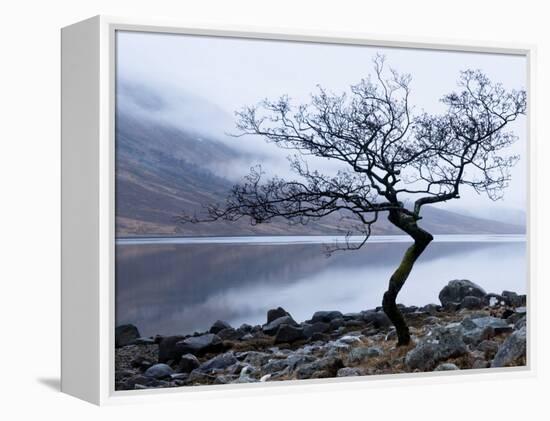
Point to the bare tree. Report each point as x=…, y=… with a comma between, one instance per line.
x=394, y=161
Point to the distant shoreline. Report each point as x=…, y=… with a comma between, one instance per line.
x=311, y=239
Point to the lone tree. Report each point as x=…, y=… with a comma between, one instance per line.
x=394, y=161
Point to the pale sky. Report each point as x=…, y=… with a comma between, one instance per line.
x=230, y=73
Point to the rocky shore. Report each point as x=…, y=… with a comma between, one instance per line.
x=469, y=329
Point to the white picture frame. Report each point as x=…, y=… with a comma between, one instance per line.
x=88, y=60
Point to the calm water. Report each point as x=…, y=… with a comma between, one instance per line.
x=179, y=285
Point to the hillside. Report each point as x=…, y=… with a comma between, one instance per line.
x=162, y=171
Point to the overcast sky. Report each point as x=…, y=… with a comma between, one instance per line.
x=230, y=73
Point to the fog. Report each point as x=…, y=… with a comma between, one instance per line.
x=199, y=82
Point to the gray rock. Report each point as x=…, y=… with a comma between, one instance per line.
x=272, y=327
x=218, y=326
x=499, y=325
x=444, y=343
x=326, y=316
x=446, y=367
x=200, y=345
x=276, y=313
x=512, y=350
x=159, y=371
x=424, y=357
x=323, y=367
x=455, y=291
x=168, y=349
x=219, y=362
x=349, y=372
x=188, y=363
x=378, y=319
x=126, y=335
x=288, y=334
x=477, y=335
x=471, y=302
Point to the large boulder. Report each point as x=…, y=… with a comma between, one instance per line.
x=168, y=350
x=200, y=345
x=288, y=334
x=326, y=316
x=513, y=299
x=513, y=350
x=272, y=327
x=188, y=363
x=218, y=326
x=126, y=335
x=455, y=291
x=444, y=343
x=275, y=313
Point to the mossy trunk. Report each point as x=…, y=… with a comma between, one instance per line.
x=421, y=240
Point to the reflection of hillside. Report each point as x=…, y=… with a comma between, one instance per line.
x=166, y=279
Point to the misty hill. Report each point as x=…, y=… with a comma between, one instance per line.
x=163, y=170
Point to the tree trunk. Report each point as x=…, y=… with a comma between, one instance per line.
x=421, y=240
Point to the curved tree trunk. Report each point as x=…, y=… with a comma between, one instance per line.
x=421, y=240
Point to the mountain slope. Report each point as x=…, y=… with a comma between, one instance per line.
x=162, y=171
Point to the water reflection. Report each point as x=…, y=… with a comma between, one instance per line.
x=179, y=288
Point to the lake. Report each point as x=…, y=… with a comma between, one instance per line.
x=180, y=285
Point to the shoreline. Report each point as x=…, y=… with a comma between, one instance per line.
x=470, y=329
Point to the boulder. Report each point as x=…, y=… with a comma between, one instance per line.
x=126, y=335
x=318, y=327
x=455, y=291
x=219, y=362
x=200, y=345
x=218, y=326
x=431, y=309
x=275, y=313
x=188, y=363
x=159, y=371
x=168, y=349
x=272, y=327
x=444, y=343
x=513, y=350
x=471, y=302
x=288, y=334
x=423, y=357
x=326, y=316
x=378, y=319
x=499, y=325
x=446, y=367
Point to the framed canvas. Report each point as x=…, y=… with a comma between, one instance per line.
x=249, y=209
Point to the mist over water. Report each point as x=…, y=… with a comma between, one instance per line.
x=169, y=287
